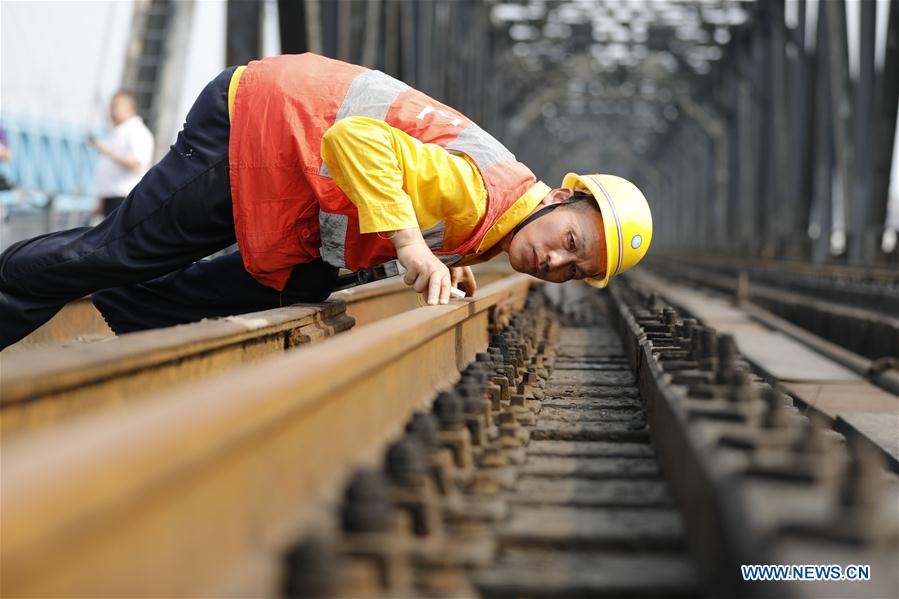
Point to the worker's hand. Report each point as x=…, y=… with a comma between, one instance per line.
x=424, y=272
x=461, y=277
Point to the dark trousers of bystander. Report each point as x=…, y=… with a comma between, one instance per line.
x=143, y=262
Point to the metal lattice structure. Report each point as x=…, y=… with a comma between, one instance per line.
x=748, y=134
x=155, y=62
x=742, y=120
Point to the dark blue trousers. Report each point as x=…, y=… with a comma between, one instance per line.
x=141, y=262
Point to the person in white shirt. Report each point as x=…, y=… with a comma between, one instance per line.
x=125, y=154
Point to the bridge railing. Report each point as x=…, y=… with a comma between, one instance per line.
x=51, y=170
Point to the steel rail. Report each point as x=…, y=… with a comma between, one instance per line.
x=755, y=480
x=860, y=330
x=130, y=498
x=44, y=386
x=861, y=365
x=41, y=386
x=78, y=320
x=887, y=379
x=882, y=275
x=869, y=403
x=374, y=301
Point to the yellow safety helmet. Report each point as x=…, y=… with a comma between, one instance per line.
x=627, y=221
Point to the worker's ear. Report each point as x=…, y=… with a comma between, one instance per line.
x=557, y=195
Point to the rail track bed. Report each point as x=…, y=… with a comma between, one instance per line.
x=554, y=486
x=519, y=444
x=590, y=514
x=586, y=508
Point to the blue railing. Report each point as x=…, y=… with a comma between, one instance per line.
x=51, y=169
x=48, y=158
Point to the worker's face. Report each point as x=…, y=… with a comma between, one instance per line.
x=568, y=243
x=121, y=108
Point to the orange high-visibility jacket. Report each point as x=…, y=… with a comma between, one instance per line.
x=288, y=210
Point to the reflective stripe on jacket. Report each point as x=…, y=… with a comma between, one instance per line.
x=288, y=210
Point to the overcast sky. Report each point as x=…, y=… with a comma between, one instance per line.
x=62, y=61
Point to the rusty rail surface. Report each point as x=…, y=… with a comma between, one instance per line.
x=41, y=386
x=44, y=386
x=198, y=490
x=374, y=301
x=78, y=320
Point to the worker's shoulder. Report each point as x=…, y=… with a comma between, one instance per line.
x=356, y=126
x=305, y=65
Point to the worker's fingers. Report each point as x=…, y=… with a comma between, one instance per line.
x=422, y=282
x=434, y=285
x=471, y=284
x=455, y=276
x=445, y=284
x=410, y=276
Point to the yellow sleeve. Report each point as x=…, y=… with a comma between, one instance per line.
x=232, y=89
x=365, y=158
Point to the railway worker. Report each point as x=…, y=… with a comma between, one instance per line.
x=311, y=165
